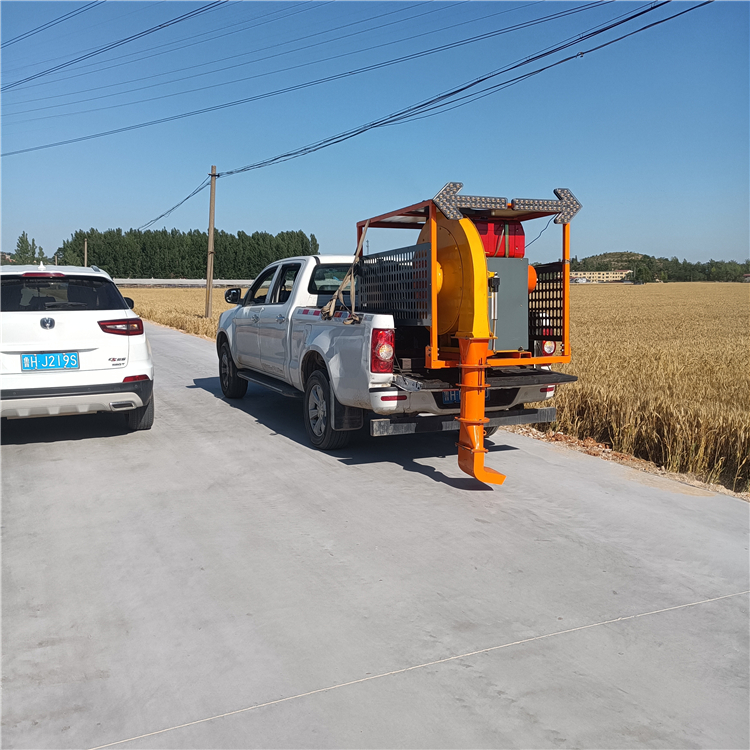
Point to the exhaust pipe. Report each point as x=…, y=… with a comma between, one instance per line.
x=121, y=405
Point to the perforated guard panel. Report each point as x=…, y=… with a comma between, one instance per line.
x=398, y=282
x=546, y=310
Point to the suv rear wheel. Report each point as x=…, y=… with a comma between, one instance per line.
x=141, y=418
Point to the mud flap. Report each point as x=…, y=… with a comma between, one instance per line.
x=345, y=417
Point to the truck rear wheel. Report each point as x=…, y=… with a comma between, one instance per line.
x=232, y=386
x=318, y=414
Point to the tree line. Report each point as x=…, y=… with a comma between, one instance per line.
x=648, y=268
x=170, y=254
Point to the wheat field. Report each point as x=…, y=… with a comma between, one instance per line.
x=664, y=374
x=664, y=369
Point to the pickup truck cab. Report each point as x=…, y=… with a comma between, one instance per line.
x=349, y=368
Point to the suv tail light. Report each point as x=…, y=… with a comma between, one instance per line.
x=135, y=378
x=381, y=353
x=124, y=327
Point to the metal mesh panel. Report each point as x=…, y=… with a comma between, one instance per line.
x=546, y=312
x=398, y=282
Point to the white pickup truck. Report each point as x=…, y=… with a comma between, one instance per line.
x=350, y=370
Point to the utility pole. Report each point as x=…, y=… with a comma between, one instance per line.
x=85, y=252
x=210, y=267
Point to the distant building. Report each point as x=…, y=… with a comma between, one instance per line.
x=7, y=258
x=599, y=276
x=746, y=277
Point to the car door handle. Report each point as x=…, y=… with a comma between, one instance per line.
x=255, y=318
x=280, y=318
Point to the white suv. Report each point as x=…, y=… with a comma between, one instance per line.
x=70, y=344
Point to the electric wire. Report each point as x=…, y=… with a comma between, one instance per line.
x=231, y=57
x=179, y=19
x=529, y=244
x=250, y=62
x=317, y=82
x=443, y=98
x=403, y=115
x=53, y=22
x=225, y=105
x=175, y=43
x=327, y=79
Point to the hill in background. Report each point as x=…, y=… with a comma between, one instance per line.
x=648, y=268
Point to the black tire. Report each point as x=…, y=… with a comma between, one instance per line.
x=232, y=386
x=316, y=411
x=141, y=418
x=490, y=431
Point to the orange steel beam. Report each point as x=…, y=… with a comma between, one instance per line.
x=407, y=211
x=433, y=348
x=471, y=448
x=566, y=290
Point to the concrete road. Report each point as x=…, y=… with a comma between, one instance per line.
x=215, y=583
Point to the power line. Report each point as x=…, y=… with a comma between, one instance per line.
x=333, y=77
x=119, y=43
x=317, y=82
x=253, y=62
x=441, y=100
x=140, y=9
x=179, y=45
x=50, y=24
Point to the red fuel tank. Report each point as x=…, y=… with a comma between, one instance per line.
x=502, y=239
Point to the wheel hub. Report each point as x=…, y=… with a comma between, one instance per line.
x=316, y=409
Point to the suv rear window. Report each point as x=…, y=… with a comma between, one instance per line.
x=33, y=294
x=327, y=279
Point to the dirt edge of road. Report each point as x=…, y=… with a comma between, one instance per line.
x=600, y=450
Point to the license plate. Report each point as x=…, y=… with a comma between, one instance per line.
x=454, y=397
x=55, y=361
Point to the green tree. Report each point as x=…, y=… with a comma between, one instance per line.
x=28, y=252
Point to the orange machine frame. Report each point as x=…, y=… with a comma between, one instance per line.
x=415, y=217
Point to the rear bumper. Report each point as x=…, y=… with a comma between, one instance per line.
x=404, y=425
x=83, y=399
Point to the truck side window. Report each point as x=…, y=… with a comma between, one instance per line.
x=259, y=290
x=285, y=284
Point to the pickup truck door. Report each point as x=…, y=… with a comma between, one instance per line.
x=247, y=321
x=274, y=322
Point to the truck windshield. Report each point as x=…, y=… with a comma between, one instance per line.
x=327, y=279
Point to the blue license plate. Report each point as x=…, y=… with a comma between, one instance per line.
x=54, y=361
x=454, y=397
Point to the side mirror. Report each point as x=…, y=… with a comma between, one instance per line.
x=129, y=302
x=233, y=296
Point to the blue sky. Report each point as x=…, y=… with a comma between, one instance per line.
x=650, y=134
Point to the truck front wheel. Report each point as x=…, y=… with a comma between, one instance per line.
x=318, y=414
x=232, y=386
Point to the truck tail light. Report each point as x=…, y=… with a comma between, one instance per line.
x=124, y=327
x=548, y=347
x=381, y=352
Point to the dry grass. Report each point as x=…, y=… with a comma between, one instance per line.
x=179, y=308
x=664, y=370
x=664, y=374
